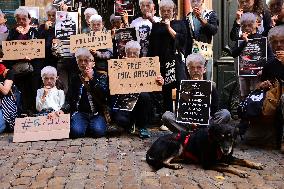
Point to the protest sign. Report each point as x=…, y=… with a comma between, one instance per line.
x=66, y=25
x=133, y=75
x=95, y=41
x=253, y=57
x=120, y=6
x=126, y=102
x=19, y=49
x=194, y=102
x=122, y=36
x=57, y=3
x=205, y=49
x=34, y=13
x=41, y=128
x=170, y=69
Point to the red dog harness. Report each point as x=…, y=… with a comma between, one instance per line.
x=185, y=154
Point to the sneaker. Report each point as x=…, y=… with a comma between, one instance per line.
x=164, y=128
x=144, y=133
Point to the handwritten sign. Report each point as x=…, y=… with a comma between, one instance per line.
x=194, y=102
x=133, y=75
x=253, y=57
x=98, y=40
x=122, y=36
x=205, y=49
x=126, y=102
x=19, y=49
x=120, y=6
x=41, y=128
x=66, y=24
x=170, y=72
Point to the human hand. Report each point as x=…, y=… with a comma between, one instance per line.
x=63, y=6
x=160, y=80
x=197, y=12
x=124, y=17
x=245, y=36
x=20, y=29
x=280, y=56
x=265, y=84
x=48, y=24
x=239, y=14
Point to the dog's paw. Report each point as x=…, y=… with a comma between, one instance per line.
x=242, y=174
x=258, y=166
x=177, y=166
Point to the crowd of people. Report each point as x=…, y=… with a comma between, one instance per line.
x=84, y=93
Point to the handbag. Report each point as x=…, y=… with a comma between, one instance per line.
x=23, y=68
x=272, y=99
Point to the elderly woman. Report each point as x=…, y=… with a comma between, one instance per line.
x=3, y=20
x=88, y=13
x=102, y=55
x=47, y=32
x=196, y=69
x=8, y=109
x=277, y=11
x=168, y=41
x=86, y=98
x=140, y=116
x=30, y=81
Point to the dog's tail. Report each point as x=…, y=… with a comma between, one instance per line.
x=155, y=164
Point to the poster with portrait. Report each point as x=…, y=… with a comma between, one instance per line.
x=120, y=6
x=66, y=24
x=194, y=102
x=126, y=102
x=122, y=36
x=34, y=12
x=253, y=57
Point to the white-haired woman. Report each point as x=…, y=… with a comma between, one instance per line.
x=28, y=83
x=86, y=98
x=168, y=41
x=101, y=55
x=88, y=13
x=47, y=32
x=140, y=115
x=49, y=99
x=3, y=20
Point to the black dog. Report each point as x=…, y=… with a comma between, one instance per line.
x=211, y=147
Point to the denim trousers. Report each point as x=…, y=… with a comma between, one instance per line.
x=2, y=122
x=87, y=124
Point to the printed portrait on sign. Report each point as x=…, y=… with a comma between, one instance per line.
x=66, y=24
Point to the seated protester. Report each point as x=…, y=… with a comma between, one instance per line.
x=86, y=98
x=249, y=31
x=277, y=12
x=275, y=70
x=257, y=7
x=102, y=55
x=196, y=69
x=8, y=108
x=47, y=32
x=88, y=13
x=139, y=117
x=49, y=99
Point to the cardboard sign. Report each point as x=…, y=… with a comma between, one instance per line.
x=194, y=102
x=126, y=102
x=41, y=128
x=253, y=57
x=19, y=49
x=122, y=36
x=133, y=75
x=34, y=12
x=205, y=49
x=66, y=25
x=120, y=6
x=98, y=40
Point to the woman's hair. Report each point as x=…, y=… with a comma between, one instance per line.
x=132, y=45
x=275, y=6
x=50, y=8
x=140, y=1
x=195, y=57
x=95, y=17
x=248, y=17
x=48, y=70
x=167, y=3
x=113, y=17
x=22, y=11
x=258, y=7
x=275, y=32
x=83, y=52
x=91, y=11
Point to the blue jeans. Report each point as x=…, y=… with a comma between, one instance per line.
x=2, y=122
x=83, y=122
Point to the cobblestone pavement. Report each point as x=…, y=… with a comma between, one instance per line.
x=119, y=163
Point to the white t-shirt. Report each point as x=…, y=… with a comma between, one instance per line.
x=54, y=99
x=143, y=30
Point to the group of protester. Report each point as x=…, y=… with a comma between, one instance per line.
x=87, y=97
